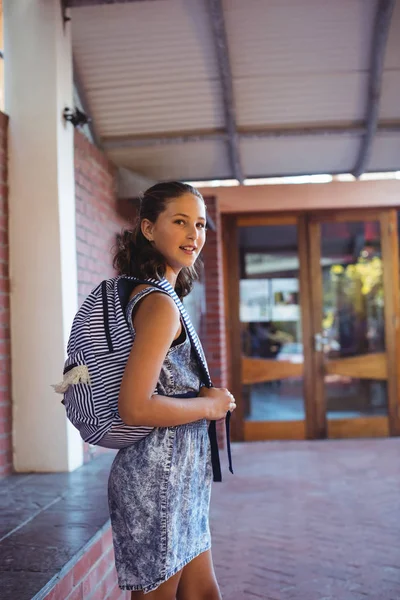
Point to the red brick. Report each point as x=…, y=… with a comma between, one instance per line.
x=5, y=442
x=97, y=574
x=105, y=586
x=97, y=220
x=5, y=409
x=86, y=563
x=5, y=467
x=322, y=522
x=75, y=594
x=213, y=326
x=117, y=594
x=106, y=540
x=62, y=589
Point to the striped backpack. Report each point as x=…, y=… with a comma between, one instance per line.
x=98, y=350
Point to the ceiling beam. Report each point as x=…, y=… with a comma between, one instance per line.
x=318, y=131
x=221, y=48
x=120, y=142
x=117, y=142
x=80, y=3
x=379, y=40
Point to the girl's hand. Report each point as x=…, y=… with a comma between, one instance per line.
x=221, y=401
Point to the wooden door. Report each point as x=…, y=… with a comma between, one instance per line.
x=266, y=279
x=354, y=270
x=313, y=324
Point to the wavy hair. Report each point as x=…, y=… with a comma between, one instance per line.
x=135, y=256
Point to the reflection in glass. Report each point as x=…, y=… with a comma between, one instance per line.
x=353, y=320
x=271, y=320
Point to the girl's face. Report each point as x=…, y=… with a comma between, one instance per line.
x=179, y=232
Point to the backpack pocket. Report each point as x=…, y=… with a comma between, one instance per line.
x=78, y=394
x=75, y=371
x=91, y=388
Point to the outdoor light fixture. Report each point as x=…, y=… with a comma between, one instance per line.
x=77, y=117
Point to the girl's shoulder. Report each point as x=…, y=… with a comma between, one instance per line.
x=156, y=301
x=160, y=304
x=138, y=288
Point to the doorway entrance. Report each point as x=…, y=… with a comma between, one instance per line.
x=313, y=323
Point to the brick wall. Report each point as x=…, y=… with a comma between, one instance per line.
x=5, y=364
x=92, y=576
x=213, y=326
x=97, y=222
x=212, y=331
x=97, y=219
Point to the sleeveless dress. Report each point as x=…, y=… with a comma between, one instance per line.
x=159, y=488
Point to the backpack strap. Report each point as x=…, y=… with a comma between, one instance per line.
x=165, y=286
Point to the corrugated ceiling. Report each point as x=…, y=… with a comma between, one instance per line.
x=176, y=161
x=150, y=69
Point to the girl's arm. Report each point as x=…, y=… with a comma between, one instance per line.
x=157, y=322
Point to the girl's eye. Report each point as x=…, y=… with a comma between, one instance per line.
x=179, y=221
x=201, y=225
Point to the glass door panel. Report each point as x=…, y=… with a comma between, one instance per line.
x=271, y=326
x=350, y=295
x=353, y=325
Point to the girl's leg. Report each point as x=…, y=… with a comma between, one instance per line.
x=198, y=581
x=166, y=591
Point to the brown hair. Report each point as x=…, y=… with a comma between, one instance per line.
x=135, y=256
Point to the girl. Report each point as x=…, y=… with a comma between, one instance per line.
x=159, y=487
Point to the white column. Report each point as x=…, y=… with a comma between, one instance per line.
x=43, y=270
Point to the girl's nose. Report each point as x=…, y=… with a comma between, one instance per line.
x=193, y=232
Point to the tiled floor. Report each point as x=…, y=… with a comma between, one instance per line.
x=309, y=521
x=297, y=521
x=46, y=519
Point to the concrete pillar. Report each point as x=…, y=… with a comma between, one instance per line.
x=43, y=271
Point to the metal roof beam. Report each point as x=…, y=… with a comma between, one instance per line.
x=379, y=40
x=80, y=3
x=221, y=47
x=112, y=143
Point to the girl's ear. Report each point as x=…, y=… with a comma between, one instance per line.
x=146, y=227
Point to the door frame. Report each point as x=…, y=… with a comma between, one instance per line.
x=315, y=425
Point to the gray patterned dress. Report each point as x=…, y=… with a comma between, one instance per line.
x=159, y=488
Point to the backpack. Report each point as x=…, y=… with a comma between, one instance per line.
x=97, y=352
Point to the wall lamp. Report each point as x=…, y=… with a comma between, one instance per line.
x=77, y=117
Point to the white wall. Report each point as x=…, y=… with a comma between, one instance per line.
x=43, y=271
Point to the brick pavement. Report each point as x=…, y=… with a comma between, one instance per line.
x=309, y=521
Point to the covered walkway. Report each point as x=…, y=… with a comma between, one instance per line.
x=310, y=521
x=297, y=521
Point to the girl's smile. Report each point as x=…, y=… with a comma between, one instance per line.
x=189, y=249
